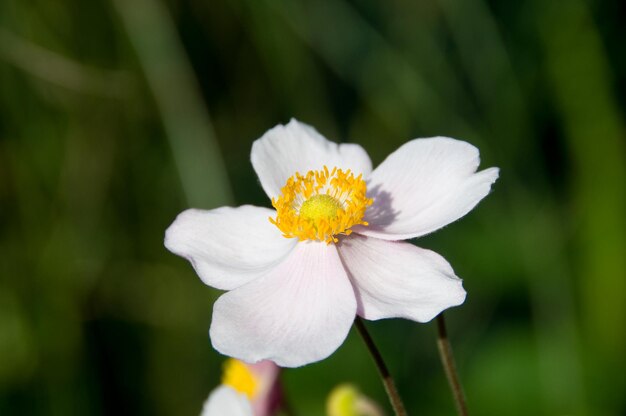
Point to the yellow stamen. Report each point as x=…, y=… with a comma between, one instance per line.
x=238, y=376
x=321, y=205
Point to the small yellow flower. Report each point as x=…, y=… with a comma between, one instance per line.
x=346, y=400
x=246, y=390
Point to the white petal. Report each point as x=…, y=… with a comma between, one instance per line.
x=298, y=313
x=298, y=147
x=394, y=279
x=424, y=185
x=228, y=247
x=225, y=401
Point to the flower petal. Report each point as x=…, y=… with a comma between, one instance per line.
x=225, y=401
x=298, y=313
x=424, y=185
x=228, y=247
x=298, y=147
x=394, y=279
x=269, y=397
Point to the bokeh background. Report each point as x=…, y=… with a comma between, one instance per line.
x=115, y=115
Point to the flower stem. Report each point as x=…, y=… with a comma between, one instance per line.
x=287, y=408
x=447, y=359
x=390, y=386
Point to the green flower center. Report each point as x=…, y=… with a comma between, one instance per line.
x=320, y=207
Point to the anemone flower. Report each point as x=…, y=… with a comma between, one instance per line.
x=224, y=401
x=246, y=390
x=297, y=275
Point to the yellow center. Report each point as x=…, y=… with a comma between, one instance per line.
x=238, y=376
x=321, y=205
x=318, y=207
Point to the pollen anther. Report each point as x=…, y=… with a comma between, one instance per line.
x=321, y=205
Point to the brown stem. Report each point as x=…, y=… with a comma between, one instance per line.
x=390, y=386
x=447, y=359
x=287, y=408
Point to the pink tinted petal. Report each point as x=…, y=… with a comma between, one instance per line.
x=424, y=185
x=398, y=280
x=298, y=313
x=224, y=401
x=298, y=147
x=228, y=247
x=265, y=370
x=269, y=397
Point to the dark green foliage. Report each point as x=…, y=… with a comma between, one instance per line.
x=116, y=115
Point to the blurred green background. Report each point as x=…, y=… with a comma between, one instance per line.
x=115, y=115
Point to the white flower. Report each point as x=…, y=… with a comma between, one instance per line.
x=297, y=275
x=246, y=390
x=226, y=401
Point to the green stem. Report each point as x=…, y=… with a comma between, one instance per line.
x=447, y=359
x=390, y=386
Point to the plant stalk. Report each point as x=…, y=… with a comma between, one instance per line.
x=390, y=385
x=447, y=359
